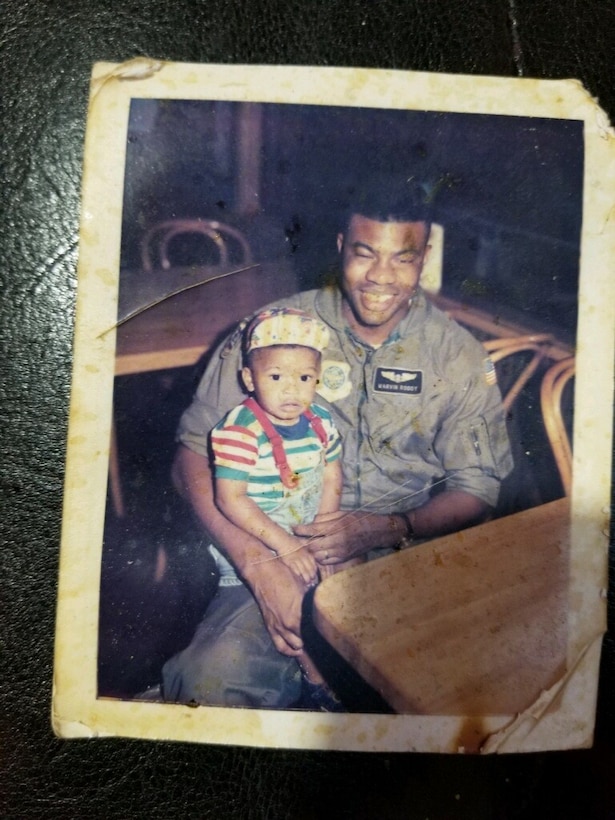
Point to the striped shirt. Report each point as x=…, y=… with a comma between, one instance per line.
x=242, y=452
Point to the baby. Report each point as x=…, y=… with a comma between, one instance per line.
x=276, y=455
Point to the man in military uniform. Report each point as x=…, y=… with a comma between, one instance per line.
x=425, y=448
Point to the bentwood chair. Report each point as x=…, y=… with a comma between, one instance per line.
x=538, y=344
x=227, y=248
x=228, y=244
x=554, y=381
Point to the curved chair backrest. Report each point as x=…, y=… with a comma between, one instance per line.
x=501, y=348
x=156, y=242
x=552, y=388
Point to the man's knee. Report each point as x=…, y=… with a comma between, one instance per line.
x=232, y=661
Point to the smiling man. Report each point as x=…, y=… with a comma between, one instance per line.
x=424, y=447
x=382, y=263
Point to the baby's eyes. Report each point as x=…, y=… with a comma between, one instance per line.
x=305, y=377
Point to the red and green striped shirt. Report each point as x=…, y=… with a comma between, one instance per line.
x=243, y=452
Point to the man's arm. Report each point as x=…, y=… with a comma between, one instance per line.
x=340, y=536
x=472, y=447
x=278, y=593
x=450, y=511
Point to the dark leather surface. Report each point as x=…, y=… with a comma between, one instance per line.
x=47, y=51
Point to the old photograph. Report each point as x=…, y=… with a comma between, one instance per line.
x=339, y=449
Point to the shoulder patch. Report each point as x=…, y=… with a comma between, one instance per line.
x=335, y=380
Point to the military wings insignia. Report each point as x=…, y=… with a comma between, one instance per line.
x=398, y=378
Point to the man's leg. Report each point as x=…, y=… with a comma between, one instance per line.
x=231, y=660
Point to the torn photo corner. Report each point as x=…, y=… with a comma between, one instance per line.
x=210, y=191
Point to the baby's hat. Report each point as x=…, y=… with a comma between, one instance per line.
x=285, y=326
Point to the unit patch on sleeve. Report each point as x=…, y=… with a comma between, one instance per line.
x=396, y=380
x=335, y=381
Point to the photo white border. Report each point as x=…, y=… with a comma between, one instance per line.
x=77, y=712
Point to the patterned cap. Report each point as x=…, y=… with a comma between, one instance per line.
x=285, y=326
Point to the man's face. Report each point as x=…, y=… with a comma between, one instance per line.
x=382, y=264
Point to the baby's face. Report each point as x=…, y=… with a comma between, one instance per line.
x=283, y=380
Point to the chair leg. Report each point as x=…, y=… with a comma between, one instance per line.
x=114, y=474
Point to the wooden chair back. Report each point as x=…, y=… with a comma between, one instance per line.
x=554, y=381
x=499, y=349
x=155, y=246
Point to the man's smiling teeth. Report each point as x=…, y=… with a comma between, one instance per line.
x=378, y=298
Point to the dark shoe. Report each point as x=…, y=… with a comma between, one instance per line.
x=319, y=698
x=153, y=693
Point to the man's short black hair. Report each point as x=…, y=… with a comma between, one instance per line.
x=389, y=199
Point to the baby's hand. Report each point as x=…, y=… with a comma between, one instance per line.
x=302, y=565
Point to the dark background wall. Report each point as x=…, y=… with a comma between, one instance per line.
x=507, y=190
x=47, y=50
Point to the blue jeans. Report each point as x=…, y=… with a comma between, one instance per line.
x=231, y=660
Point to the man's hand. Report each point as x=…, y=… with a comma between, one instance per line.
x=334, y=538
x=279, y=594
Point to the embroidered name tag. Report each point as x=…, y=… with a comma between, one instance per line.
x=394, y=380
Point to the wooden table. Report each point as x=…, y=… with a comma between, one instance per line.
x=176, y=332
x=474, y=623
